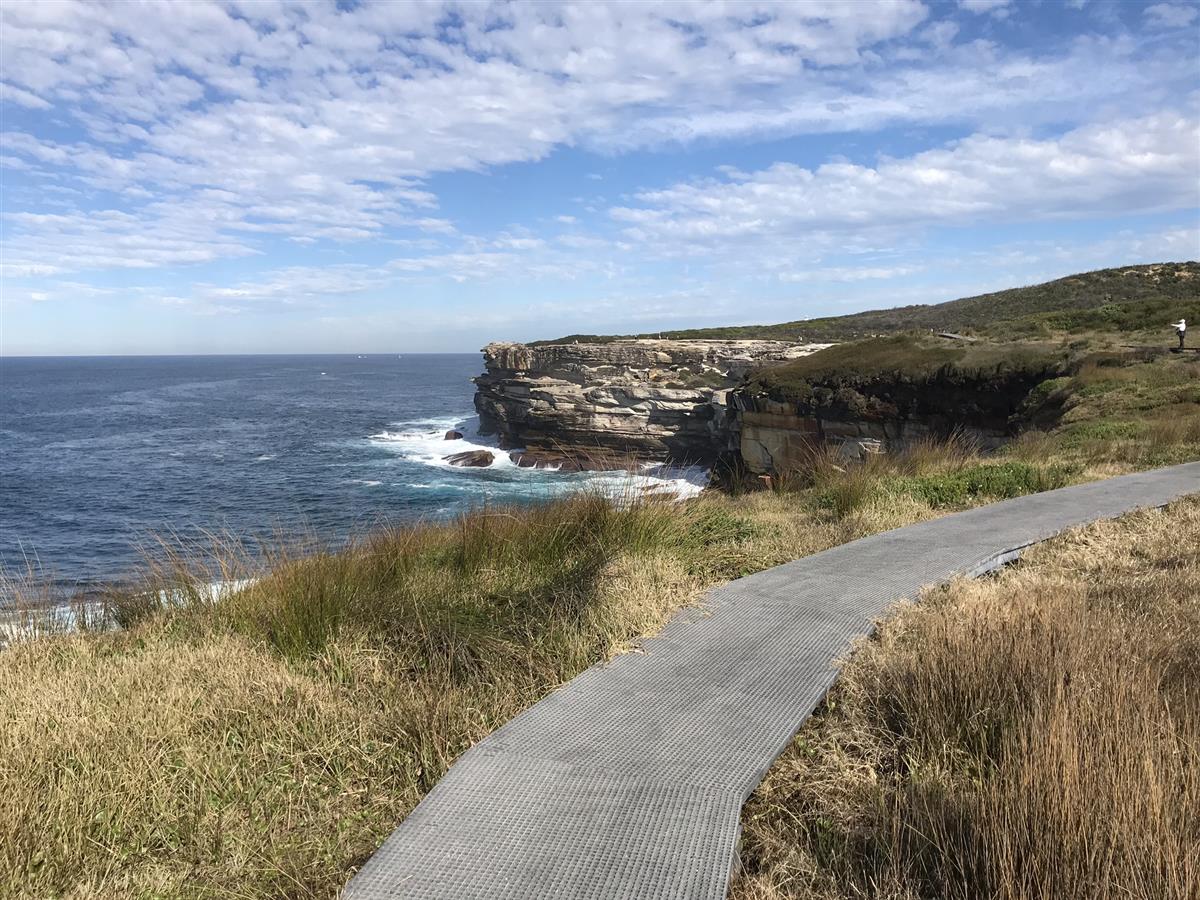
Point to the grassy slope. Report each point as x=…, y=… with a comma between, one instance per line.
x=1029, y=736
x=1129, y=298
x=265, y=745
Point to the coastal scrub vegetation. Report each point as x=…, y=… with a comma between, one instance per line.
x=908, y=374
x=1082, y=405
x=1129, y=299
x=912, y=357
x=1031, y=735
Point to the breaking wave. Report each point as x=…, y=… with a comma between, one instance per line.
x=424, y=441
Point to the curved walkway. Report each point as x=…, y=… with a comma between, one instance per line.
x=627, y=783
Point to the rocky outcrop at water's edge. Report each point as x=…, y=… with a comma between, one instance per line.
x=472, y=459
x=571, y=406
x=650, y=399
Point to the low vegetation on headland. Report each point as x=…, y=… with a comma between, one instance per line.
x=1122, y=300
x=264, y=742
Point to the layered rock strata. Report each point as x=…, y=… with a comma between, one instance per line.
x=775, y=436
x=652, y=399
x=882, y=413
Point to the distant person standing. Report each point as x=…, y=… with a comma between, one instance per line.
x=1180, y=330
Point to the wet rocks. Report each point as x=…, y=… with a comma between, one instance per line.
x=579, y=461
x=475, y=459
x=453, y=435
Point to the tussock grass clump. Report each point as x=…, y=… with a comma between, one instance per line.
x=1033, y=735
x=997, y=481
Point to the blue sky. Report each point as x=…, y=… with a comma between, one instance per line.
x=238, y=177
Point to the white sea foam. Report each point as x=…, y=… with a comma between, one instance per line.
x=424, y=441
x=23, y=624
x=212, y=592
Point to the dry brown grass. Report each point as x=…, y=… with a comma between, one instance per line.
x=1033, y=735
x=263, y=745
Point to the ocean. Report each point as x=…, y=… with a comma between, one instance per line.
x=101, y=455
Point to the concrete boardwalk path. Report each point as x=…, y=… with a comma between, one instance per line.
x=627, y=783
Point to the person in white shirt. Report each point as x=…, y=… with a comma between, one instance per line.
x=1180, y=330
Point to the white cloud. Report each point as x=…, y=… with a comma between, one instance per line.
x=374, y=88
x=490, y=264
x=1141, y=165
x=12, y=94
x=49, y=243
x=508, y=256
x=1170, y=15
x=848, y=273
x=322, y=124
x=940, y=34
x=582, y=242
x=294, y=285
x=984, y=6
x=162, y=135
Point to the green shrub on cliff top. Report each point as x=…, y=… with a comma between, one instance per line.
x=906, y=357
x=913, y=376
x=992, y=482
x=959, y=485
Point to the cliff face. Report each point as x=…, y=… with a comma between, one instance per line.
x=884, y=394
x=656, y=399
x=690, y=400
x=775, y=436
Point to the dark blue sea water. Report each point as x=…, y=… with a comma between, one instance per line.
x=98, y=454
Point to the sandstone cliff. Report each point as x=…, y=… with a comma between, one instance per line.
x=887, y=393
x=691, y=400
x=654, y=399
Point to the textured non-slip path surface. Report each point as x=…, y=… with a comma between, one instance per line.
x=627, y=783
